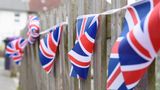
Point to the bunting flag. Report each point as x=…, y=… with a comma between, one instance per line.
x=15, y=49
x=48, y=47
x=80, y=55
x=34, y=29
x=136, y=47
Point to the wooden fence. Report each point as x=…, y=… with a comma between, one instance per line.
x=33, y=77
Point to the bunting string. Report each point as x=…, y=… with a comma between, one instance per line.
x=48, y=30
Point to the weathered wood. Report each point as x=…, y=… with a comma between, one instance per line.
x=99, y=62
x=44, y=81
x=63, y=53
x=50, y=23
x=100, y=57
x=152, y=76
x=58, y=71
x=83, y=8
x=72, y=15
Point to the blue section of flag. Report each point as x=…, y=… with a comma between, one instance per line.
x=92, y=31
x=142, y=11
x=125, y=28
x=79, y=50
x=127, y=55
x=112, y=65
x=43, y=59
x=82, y=72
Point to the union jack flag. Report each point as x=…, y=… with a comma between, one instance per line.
x=15, y=49
x=48, y=47
x=34, y=28
x=80, y=55
x=136, y=47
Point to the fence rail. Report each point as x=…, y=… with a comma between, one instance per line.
x=32, y=77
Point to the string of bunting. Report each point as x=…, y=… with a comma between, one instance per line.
x=34, y=28
x=129, y=58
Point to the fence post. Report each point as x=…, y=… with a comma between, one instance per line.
x=72, y=15
x=83, y=8
x=99, y=57
x=152, y=76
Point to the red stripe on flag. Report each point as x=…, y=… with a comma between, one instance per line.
x=48, y=67
x=131, y=11
x=78, y=62
x=44, y=52
x=16, y=57
x=155, y=2
x=115, y=47
x=86, y=43
x=138, y=45
x=115, y=75
x=83, y=26
x=9, y=50
x=51, y=43
x=131, y=77
x=33, y=25
x=154, y=28
x=17, y=46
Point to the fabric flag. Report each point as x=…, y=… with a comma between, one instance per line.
x=48, y=47
x=136, y=47
x=80, y=55
x=34, y=28
x=15, y=49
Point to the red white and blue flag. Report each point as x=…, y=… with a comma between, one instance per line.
x=136, y=47
x=34, y=28
x=15, y=49
x=81, y=53
x=48, y=47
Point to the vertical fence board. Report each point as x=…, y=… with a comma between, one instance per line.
x=65, y=64
x=152, y=76
x=63, y=52
x=53, y=22
x=45, y=80
x=83, y=8
x=72, y=15
x=99, y=62
x=100, y=57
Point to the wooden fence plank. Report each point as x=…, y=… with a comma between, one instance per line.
x=152, y=76
x=50, y=17
x=99, y=56
x=83, y=8
x=65, y=67
x=72, y=15
x=63, y=53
